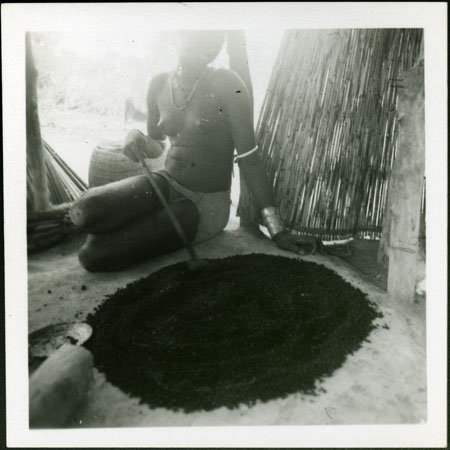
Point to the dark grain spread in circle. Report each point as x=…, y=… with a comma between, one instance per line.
x=244, y=328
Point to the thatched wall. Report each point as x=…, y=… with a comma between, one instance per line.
x=328, y=128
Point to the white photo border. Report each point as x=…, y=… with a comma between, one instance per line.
x=79, y=17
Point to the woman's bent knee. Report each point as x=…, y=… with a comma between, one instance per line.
x=100, y=255
x=88, y=259
x=93, y=258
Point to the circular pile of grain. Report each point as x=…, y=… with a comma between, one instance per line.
x=242, y=329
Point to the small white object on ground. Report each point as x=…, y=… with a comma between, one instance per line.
x=421, y=287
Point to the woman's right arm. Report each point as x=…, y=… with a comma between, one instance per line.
x=151, y=146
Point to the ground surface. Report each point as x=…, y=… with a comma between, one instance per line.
x=383, y=382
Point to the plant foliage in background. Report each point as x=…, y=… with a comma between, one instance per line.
x=328, y=128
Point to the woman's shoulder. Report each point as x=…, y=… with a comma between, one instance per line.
x=222, y=73
x=227, y=78
x=156, y=85
x=159, y=80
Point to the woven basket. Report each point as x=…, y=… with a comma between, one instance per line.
x=109, y=164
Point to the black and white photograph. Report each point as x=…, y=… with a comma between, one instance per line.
x=225, y=217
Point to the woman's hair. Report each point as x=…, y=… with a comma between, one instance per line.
x=215, y=40
x=206, y=43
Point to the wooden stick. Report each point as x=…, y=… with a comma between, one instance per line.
x=176, y=224
x=406, y=199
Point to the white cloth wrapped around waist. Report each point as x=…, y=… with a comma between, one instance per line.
x=213, y=207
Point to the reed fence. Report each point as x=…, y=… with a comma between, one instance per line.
x=328, y=128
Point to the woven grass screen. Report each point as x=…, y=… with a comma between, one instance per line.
x=63, y=183
x=328, y=128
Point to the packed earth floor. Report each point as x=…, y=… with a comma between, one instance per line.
x=384, y=381
x=381, y=382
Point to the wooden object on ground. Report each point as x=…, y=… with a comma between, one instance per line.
x=383, y=248
x=58, y=386
x=37, y=188
x=406, y=186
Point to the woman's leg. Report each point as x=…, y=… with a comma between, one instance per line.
x=106, y=208
x=148, y=236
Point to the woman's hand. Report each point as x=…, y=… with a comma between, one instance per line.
x=135, y=144
x=302, y=245
x=138, y=146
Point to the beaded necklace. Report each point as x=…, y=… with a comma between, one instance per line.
x=191, y=94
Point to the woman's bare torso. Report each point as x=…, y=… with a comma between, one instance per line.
x=201, y=153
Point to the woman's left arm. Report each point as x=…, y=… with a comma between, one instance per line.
x=238, y=109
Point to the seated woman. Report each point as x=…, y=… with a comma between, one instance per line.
x=206, y=114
